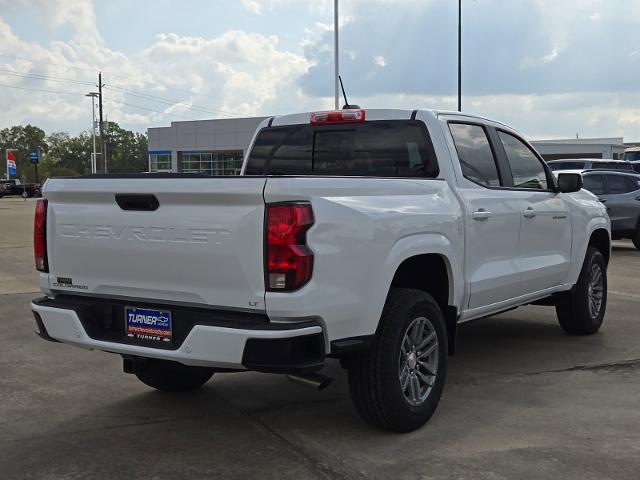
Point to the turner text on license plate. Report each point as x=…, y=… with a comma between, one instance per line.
x=148, y=324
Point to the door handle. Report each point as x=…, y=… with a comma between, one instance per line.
x=481, y=214
x=529, y=213
x=602, y=200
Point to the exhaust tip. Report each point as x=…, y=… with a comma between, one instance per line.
x=314, y=380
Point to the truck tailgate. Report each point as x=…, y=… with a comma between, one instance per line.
x=203, y=245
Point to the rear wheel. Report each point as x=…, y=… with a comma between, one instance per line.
x=172, y=376
x=398, y=382
x=636, y=237
x=581, y=311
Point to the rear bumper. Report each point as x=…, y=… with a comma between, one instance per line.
x=267, y=347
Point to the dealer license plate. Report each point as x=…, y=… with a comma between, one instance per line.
x=148, y=324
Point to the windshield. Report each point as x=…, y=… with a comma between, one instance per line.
x=631, y=156
x=393, y=148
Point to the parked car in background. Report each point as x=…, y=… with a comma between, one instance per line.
x=632, y=154
x=588, y=164
x=620, y=192
x=16, y=187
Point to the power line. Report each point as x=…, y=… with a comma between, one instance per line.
x=111, y=101
x=149, y=82
x=168, y=101
x=88, y=69
x=37, y=76
x=151, y=110
x=41, y=90
x=145, y=96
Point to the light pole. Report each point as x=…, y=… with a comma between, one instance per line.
x=336, y=60
x=459, y=55
x=93, y=95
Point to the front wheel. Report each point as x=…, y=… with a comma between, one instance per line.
x=172, y=376
x=398, y=382
x=581, y=311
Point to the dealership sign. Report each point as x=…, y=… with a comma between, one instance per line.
x=34, y=155
x=11, y=163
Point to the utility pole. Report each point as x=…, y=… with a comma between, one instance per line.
x=459, y=55
x=336, y=60
x=94, y=160
x=103, y=149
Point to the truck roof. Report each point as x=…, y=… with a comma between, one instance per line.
x=376, y=114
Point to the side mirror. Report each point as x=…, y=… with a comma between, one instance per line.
x=569, y=182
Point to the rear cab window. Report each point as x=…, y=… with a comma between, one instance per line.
x=381, y=148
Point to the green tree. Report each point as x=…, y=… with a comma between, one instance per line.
x=126, y=150
x=66, y=155
x=71, y=153
x=22, y=138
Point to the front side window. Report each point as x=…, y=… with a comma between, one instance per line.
x=475, y=155
x=594, y=184
x=526, y=168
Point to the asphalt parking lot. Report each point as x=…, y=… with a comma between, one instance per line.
x=523, y=400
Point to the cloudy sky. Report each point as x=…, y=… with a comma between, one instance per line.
x=549, y=68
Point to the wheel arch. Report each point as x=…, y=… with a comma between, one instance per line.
x=601, y=240
x=431, y=273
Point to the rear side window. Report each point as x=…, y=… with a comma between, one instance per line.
x=395, y=148
x=594, y=184
x=474, y=153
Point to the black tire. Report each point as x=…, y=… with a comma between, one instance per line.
x=172, y=376
x=636, y=237
x=374, y=375
x=574, y=313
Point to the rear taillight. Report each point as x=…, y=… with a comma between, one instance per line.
x=289, y=261
x=337, y=116
x=40, y=236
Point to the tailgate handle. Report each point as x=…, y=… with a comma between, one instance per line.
x=137, y=202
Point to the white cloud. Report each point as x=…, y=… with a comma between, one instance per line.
x=234, y=74
x=554, y=68
x=253, y=6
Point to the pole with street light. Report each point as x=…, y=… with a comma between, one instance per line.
x=93, y=96
x=336, y=59
x=459, y=55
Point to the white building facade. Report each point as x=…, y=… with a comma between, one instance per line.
x=211, y=147
x=580, y=148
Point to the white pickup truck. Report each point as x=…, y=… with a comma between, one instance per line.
x=363, y=235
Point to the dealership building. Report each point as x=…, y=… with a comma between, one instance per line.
x=581, y=148
x=213, y=147
x=217, y=147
